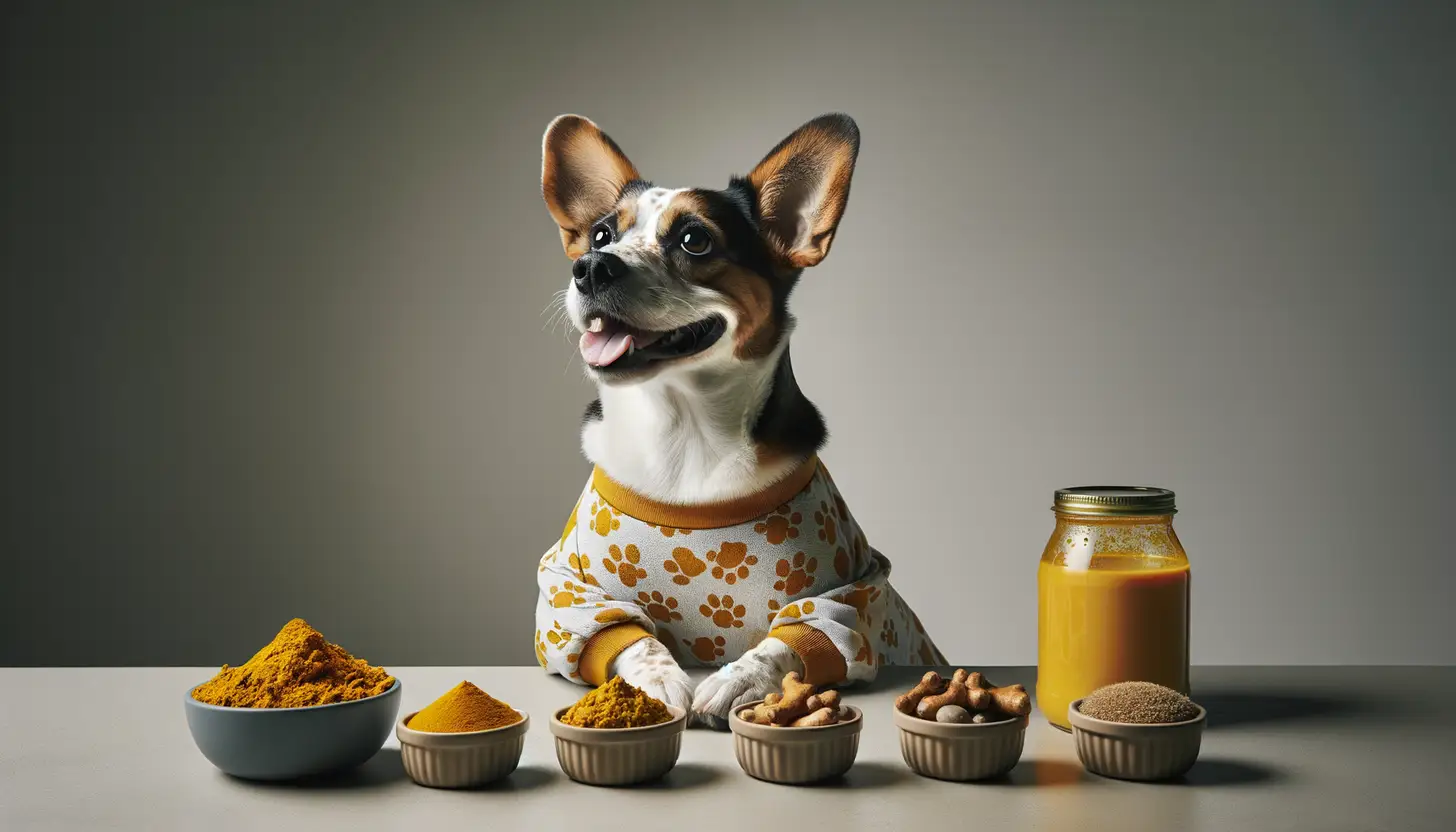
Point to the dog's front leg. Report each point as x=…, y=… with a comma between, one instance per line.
x=754, y=675
x=647, y=665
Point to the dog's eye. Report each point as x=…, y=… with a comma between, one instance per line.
x=601, y=236
x=695, y=241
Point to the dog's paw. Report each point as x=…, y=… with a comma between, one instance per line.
x=646, y=664
x=756, y=674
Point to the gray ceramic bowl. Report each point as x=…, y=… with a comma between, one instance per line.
x=779, y=754
x=618, y=756
x=290, y=743
x=960, y=752
x=1136, y=752
x=461, y=760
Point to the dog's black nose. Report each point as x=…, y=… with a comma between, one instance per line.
x=596, y=270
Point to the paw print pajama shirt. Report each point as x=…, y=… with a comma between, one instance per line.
x=712, y=581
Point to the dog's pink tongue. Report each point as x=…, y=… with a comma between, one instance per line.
x=602, y=348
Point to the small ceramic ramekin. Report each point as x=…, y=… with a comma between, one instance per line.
x=1126, y=751
x=618, y=756
x=795, y=755
x=960, y=752
x=462, y=760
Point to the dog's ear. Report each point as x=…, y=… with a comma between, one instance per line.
x=582, y=173
x=803, y=186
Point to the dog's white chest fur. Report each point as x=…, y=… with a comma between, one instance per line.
x=686, y=437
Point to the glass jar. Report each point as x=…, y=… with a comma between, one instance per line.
x=1112, y=596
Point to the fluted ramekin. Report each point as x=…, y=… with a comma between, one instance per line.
x=618, y=756
x=462, y=760
x=1159, y=751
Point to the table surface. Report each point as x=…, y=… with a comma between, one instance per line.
x=1326, y=748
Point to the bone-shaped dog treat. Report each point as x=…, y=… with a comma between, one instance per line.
x=957, y=692
x=968, y=690
x=1011, y=699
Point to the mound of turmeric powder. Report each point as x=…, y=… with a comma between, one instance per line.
x=297, y=669
x=463, y=708
x=616, y=704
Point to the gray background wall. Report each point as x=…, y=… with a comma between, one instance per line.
x=274, y=275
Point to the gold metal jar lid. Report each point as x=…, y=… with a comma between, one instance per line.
x=1114, y=501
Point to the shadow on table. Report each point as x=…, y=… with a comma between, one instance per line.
x=866, y=775
x=382, y=769
x=523, y=778
x=684, y=776
x=1227, y=709
x=1218, y=772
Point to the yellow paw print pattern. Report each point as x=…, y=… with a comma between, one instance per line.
x=623, y=564
x=780, y=526
x=795, y=574
x=659, y=608
x=604, y=518
x=731, y=562
x=567, y=594
x=581, y=563
x=864, y=656
x=707, y=649
x=557, y=637
x=798, y=610
x=828, y=531
x=888, y=634
x=861, y=597
x=614, y=615
x=684, y=566
x=540, y=650
x=723, y=611
x=841, y=563
x=669, y=531
x=773, y=610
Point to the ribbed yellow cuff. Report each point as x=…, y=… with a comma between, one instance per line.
x=704, y=516
x=599, y=651
x=823, y=663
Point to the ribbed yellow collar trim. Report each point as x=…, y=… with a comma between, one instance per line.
x=707, y=515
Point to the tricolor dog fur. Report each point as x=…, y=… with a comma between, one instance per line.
x=710, y=533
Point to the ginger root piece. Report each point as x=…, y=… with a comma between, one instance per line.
x=823, y=716
x=930, y=684
x=798, y=706
x=825, y=699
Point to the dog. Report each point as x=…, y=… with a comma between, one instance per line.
x=710, y=533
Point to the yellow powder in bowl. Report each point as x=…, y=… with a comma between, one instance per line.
x=299, y=668
x=463, y=708
x=616, y=704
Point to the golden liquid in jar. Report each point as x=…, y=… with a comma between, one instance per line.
x=1118, y=621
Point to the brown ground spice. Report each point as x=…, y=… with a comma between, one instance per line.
x=297, y=669
x=464, y=707
x=616, y=704
x=1138, y=703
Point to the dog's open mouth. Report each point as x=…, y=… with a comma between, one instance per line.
x=609, y=344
